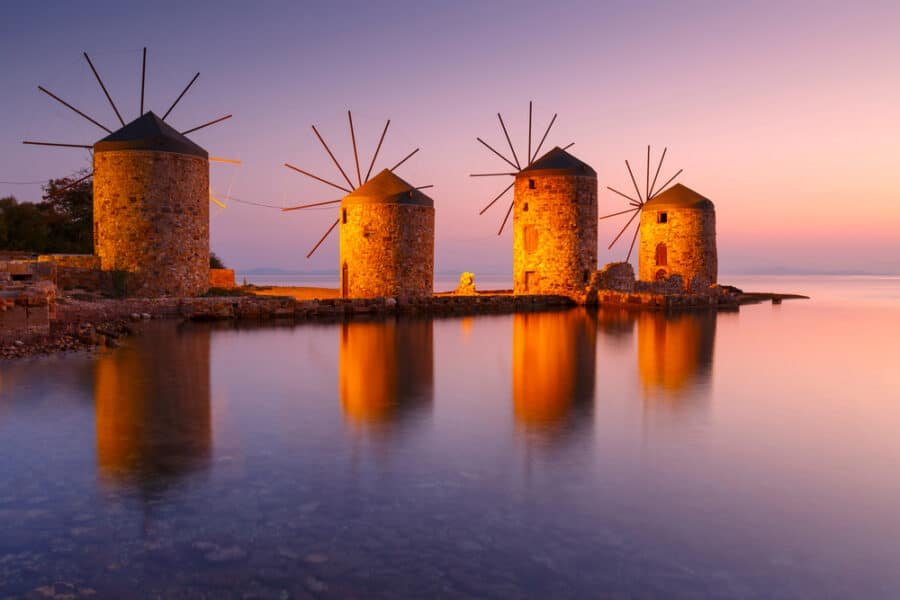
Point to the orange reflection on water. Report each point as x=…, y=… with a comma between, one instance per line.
x=385, y=368
x=674, y=351
x=554, y=356
x=152, y=402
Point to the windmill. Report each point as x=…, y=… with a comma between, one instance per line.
x=637, y=204
x=387, y=227
x=151, y=198
x=514, y=163
x=141, y=113
x=350, y=187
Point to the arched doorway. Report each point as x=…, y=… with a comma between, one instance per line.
x=345, y=281
x=662, y=255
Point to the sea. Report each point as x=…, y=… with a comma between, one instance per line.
x=563, y=454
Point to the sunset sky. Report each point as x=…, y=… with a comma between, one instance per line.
x=785, y=114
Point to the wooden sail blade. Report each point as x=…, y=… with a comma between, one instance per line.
x=541, y=144
x=500, y=195
x=641, y=199
x=230, y=161
x=567, y=146
x=213, y=122
x=508, y=141
x=355, y=153
x=506, y=218
x=616, y=214
x=613, y=243
x=425, y=187
x=529, y=132
x=374, y=156
x=183, y=92
x=647, y=185
x=215, y=200
x=491, y=174
x=621, y=194
x=506, y=160
x=637, y=230
x=74, y=183
x=666, y=184
x=333, y=159
x=658, y=167
x=103, y=87
x=316, y=177
x=58, y=144
x=319, y=243
x=143, y=80
x=302, y=206
x=73, y=109
x=405, y=158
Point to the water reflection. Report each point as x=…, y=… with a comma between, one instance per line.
x=386, y=370
x=153, y=414
x=554, y=365
x=675, y=352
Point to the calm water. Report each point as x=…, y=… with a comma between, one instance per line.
x=564, y=454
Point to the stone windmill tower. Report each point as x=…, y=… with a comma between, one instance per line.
x=678, y=231
x=554, y=210
x=151, y=200
x=386, y=229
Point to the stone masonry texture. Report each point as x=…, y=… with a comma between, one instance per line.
x=554, y=233
x=387, y=250
x=151, y=220
x=689, y=239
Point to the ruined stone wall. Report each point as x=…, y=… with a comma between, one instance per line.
x=151, y=220
x=689, y=235
x=554, y=233
x=221, y=278
x=387, y=250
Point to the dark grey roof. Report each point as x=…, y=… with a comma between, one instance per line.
x=149, y=132
x=387, y=188
x=679, y=196
x=560, y=161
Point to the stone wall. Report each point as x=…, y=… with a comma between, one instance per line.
x=26, y=310
x=554, y=233
x=78, y=272
x=387, y=250
x=689, y=236
x=151, y=221
x=221, y=278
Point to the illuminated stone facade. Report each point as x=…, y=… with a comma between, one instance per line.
x=678, y=237
x=387, y=240
x=554, y=226
x=151, y=209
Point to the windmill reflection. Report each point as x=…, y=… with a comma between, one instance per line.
x=554, y=367
x=386, y=370
x=675, y=352
x=153, y=414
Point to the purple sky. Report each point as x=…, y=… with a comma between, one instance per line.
x=784, y=114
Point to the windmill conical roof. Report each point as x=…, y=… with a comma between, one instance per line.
x=560, y=161
x=680, y=196
x=387, y=188
x=149, y=132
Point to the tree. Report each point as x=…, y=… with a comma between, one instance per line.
x=62, y=222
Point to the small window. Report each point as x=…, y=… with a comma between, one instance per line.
x=531, y=184
x=662, y=217
x=344, y=216
x=587, y=275
x=525, y=207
